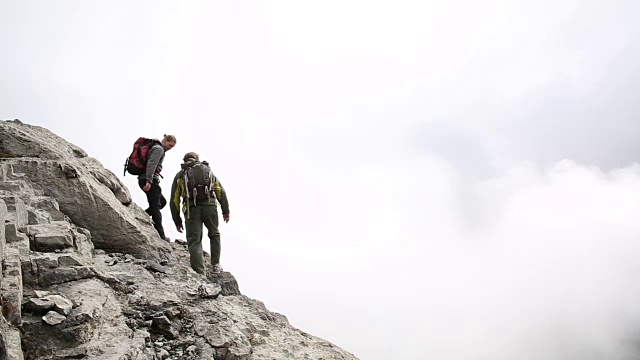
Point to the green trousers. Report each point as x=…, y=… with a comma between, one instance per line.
x=206, y=215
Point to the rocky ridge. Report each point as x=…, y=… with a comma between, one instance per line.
x=85, y=275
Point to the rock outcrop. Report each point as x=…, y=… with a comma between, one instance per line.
x=85, y=275
x=37, y=163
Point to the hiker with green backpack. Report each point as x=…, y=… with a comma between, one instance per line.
x=199, y=189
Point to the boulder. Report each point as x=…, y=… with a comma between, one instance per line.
x=53, y=318
x=61, y=305
x=95, y=329
x=38, y=306
x=90, y=195
x=209, y=291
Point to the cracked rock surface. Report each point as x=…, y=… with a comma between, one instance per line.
x=85, y=275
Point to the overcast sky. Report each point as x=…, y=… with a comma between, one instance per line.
x=407, y=179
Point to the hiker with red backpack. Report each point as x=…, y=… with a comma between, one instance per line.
x=199, y=188
x=146, y=162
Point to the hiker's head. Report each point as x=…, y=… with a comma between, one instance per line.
x=168, y=142
x=190, y=156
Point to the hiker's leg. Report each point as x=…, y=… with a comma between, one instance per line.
x=210, y=219
x=142, y=183
x=154, y=196
x=193, y=226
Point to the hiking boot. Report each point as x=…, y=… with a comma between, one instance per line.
x=166, y=238
x=217, y=269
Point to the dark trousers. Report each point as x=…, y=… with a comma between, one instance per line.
x=208, y=216
x=156, y=203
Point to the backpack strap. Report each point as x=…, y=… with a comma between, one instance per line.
x=185, y=179
x=150, y=143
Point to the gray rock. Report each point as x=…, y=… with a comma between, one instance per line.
x=53, y=318
x=19, y=187
x=97, y=325
x=61, y=304
x=37, y=216
x=154, y=266
x=230, y=343
x=22, y=245
x=48, y=205
x=3, y=217
x=12, y=285
x=163, y=354
x=75, y=353
x=227, y=282
x=56, y=227
x=209, y=290
x=52, y=242
x=92, y=196
x=62, y=275
x=82, y=242
x=60, y=235
x=144, y=334
x=110, y=309
x=38, y=306
x=16, y=207
x=69, y=260
x=163, y=326
x=41, y=294
x=11, y=343
x=44, y=262
x=172, y=313
x=10, y=230
x=29, y=278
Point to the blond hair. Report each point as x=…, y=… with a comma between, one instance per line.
x=169, y=138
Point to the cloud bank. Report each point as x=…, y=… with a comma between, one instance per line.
x=452, y=180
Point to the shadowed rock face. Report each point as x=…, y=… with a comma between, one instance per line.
x=85, y=275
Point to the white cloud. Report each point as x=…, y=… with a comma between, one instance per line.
x=393, y=169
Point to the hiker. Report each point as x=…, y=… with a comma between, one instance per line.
x=149, y=180
x=199, y=189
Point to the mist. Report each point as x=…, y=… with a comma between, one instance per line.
x=408, y=180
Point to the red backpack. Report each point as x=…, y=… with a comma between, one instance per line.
x=136, y=163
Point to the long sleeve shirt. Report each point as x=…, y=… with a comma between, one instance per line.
x=155, y=156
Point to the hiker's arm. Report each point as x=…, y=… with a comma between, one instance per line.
x=174, y=203
x=221, y=195
x=153, y=159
